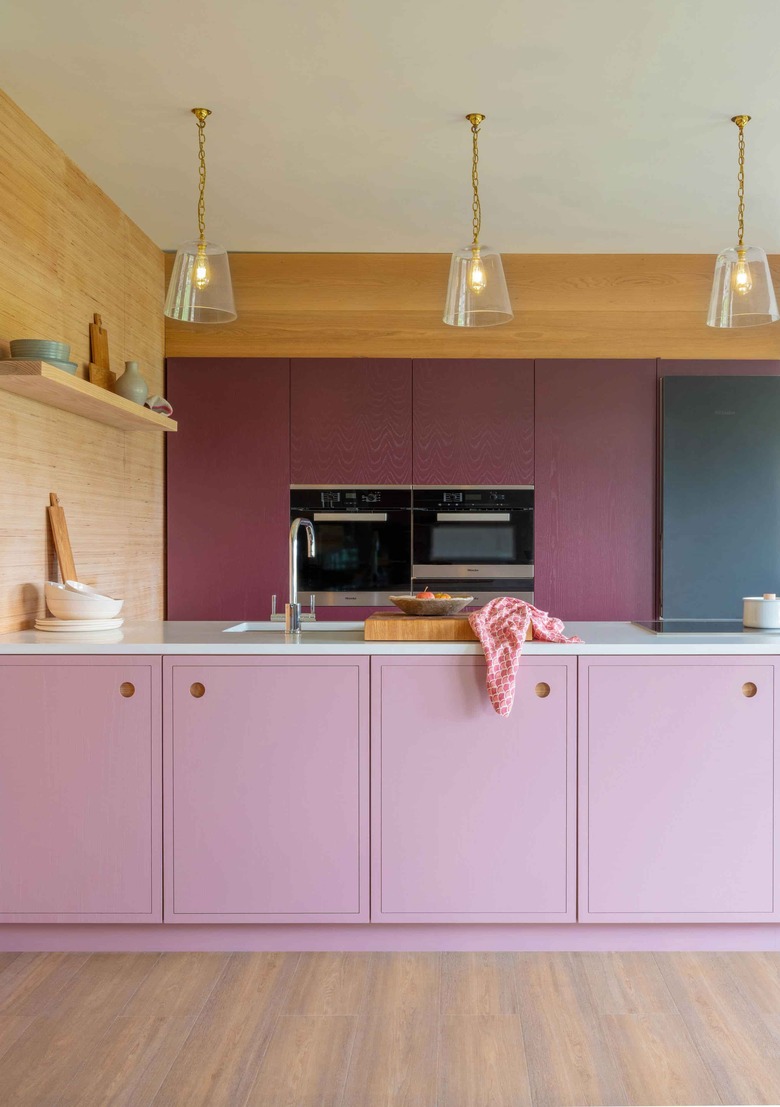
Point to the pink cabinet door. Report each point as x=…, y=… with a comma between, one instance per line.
x=228, y=486
x=266, y=789
x=473, y=816
x=595, y=489
x=351, y=421
x=80, y=789
x=677, y=790
x=473, y=421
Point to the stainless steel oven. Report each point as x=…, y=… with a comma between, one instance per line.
x=475, y=539
x=364, y=543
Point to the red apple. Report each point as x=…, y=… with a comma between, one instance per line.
x=426, y=595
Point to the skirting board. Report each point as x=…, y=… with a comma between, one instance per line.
x=98, y=938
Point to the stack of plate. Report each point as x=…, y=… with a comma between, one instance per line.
x=69, y=626
x=77, y=607
x=41, y=349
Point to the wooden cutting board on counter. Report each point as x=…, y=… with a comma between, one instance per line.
x=389, y=627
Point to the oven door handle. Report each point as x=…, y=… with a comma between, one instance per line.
x=350, y=516
x=472, y=517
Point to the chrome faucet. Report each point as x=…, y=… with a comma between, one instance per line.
x=292, y=610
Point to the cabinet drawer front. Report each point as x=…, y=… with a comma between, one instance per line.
x=267, y=790
x=80, y=790
x=473, y=816
x=677, y=790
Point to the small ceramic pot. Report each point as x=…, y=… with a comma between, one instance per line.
x=131, y=384
x=762, y=612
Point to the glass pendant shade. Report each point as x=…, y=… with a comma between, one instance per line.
x=742, y=290
x=200, y=289
x=477, y=295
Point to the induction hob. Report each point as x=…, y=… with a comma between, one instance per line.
x=698, y=626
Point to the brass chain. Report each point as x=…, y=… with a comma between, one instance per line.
x=741, y=185
x=202, y=178
x=476, y=209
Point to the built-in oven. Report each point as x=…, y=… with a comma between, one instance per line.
x=363, y=544
x=479, y=540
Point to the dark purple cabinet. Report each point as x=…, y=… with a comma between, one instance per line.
x=228, y=486
x=473, y=421
x=351, y=421
x=595, y=488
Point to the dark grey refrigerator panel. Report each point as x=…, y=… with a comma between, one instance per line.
x=720, y=500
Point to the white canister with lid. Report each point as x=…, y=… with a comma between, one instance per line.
x=762, y=612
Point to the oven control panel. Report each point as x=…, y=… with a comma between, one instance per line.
x=349, y=499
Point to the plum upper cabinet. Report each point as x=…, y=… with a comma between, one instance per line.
x=351, y=421
x=228, y=486
x=678, y=790
x=595, y=488
x=473, y=422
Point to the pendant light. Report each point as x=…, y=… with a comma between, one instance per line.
x=477, y=295
x=200, y=290
x=742, y=292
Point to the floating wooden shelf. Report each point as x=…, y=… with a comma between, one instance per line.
x=49, y=385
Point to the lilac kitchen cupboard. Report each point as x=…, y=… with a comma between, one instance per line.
x=266, y=765
x=678, y=790
x=80, y=789
x=473, y=816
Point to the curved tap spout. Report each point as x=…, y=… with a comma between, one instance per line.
x=292, y=611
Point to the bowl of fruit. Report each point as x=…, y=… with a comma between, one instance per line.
x=431, y=603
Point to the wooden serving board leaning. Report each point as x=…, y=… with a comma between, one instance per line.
x=390, y=627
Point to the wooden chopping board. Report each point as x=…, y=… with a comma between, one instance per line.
x=389, y=627
x=99, y=371
x=59, y=530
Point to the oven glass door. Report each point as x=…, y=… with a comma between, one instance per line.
x=479, y=539
x=358, y=554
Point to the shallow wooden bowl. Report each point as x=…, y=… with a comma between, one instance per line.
x=410, y=605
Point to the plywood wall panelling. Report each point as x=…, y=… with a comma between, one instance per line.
x=390, y=305
x=68, y=251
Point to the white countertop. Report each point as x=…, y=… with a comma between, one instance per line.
x=347, y=638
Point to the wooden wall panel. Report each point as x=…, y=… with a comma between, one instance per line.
x=351, y=421
x=473, y=422
x=68, y=251
x=390, y=305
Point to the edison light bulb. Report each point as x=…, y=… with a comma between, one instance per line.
x=742, y=280
x=202, y=272
x=476, y=272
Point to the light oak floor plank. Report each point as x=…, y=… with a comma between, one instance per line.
x=478, y=984
x=103, y=985
x=129, y=1064
x=329, y=984
x=11, y=1028
x=569, y=1061
x=403, y=982
x=482, y=1062
x=394, y=1060
x=735, y=1043
x=306, y=1062
x=220, y=1060
x=33, y=981
x=178, y=984
x=43, y=1060
x=7, y=959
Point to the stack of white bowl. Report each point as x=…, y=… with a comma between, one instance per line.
x=77, y=607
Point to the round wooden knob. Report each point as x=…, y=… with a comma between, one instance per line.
x=749, y=689
x=542, y=689
x=197, y=690
x=127, y=689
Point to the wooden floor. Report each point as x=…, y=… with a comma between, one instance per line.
x=386, y=1029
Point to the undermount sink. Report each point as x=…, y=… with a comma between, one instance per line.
x=306, y=628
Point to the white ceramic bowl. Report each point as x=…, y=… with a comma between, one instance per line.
x=66, y=603
x=761, y=612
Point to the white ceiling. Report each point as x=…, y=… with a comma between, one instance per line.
x=338, y=125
